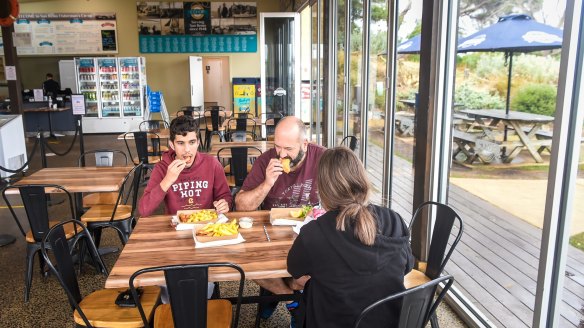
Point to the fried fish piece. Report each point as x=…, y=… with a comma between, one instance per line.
x=285, y=164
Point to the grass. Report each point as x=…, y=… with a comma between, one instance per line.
x=578, y=241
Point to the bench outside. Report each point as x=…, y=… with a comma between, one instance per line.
x=474, y=148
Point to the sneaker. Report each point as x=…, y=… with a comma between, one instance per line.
x=292, y=308
x=267, y=309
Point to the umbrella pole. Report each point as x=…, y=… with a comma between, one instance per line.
x=508, y=100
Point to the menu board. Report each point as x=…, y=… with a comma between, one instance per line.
x=65, y=34
x=197, y=26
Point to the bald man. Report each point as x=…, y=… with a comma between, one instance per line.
x=268, y=185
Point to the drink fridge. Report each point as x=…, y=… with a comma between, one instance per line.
x=114, y=92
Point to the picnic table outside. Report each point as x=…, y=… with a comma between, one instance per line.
x=526, y=126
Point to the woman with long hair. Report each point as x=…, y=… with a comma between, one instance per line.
x=354, y=254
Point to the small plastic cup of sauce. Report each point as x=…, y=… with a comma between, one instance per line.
x=245, y=222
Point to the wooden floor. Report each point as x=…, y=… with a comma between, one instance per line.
x=496, y=262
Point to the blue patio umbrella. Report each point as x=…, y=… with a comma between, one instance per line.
x=410, y=46
x=513, y=33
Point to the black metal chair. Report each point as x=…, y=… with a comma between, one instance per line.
x=118, y=216
x=439, y=250
x=417, y=304
x=214, y=119
x=141, y=138
x=188, y=110
x=350, y=141
x=187, y=290
x=103, y=157
x=241, y=129
x=270, y=121
x=35, y=200
x=239, y=164
x=153, y=125
x=97, y=309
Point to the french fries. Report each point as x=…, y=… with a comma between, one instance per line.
x=198, y=216
x=219, y=229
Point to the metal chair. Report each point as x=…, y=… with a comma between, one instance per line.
x=153, y=125
x=148, y=158
x=103, y=157
x=239, y=164
x=241, y=129
x=97, y=309
x=417, y=305
x=270, y=121
x=350, y=141
x=35, y=200
x=214, y=119
x=187, y=290
x=440, y=251
x=188, y=110
x=118, y=216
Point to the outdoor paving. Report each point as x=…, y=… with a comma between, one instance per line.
x=496, y=262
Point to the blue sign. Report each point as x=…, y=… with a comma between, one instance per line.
x=197, y=44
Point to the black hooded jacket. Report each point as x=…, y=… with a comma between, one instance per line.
x=347, y=276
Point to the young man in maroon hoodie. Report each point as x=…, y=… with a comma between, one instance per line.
x=184, y=178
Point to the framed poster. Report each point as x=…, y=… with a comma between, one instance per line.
x=197, y=26
x=65, y=34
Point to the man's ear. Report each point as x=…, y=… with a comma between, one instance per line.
x=171, y=144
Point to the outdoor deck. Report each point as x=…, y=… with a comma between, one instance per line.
x=496, y=262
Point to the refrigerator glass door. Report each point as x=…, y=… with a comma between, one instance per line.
x=131, y=88
x=109, y=86
x=86, y=74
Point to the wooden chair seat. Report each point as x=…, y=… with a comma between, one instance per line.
x=104, y=213
x=219, y=315
x=101, y=309
x=415, y=278
x=210, y=128
x=69, y=231
x=100, y=198
x=162, y=148
x=227, y=168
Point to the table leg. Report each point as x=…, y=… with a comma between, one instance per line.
x=525, y=139
x=51, y=134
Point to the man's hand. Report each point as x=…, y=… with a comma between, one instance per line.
x=273, y=171
x=298, y=284
x=221, y=206
x=172, y=172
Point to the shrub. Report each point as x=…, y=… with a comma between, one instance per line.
x=536, y=99
x=473, y=98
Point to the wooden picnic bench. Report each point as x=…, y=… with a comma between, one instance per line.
x=474, y=147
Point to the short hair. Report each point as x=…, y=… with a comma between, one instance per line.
x=50, y=75
x=299, y=123
x=182, y=125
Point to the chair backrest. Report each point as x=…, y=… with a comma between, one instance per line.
x=215, y=117
x=103, y=157
x=188, y=110
x=141, y=143
x=187, y=291
x=131, y=183
x=35, y=201
x=446, y=218
x=417, y=304
x=239, y=128
x=153, y=125
x=271, y=121
x=56, y=241
x=239, y=160
x=350, y=141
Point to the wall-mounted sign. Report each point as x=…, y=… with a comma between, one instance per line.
x=65, y=34
x=197, y=26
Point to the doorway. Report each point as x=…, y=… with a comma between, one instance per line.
x=216, y=84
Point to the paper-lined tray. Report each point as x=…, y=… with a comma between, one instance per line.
x=281, y=216
x=178, y=225
x=217, y=241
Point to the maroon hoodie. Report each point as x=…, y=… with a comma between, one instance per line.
x=196, y=187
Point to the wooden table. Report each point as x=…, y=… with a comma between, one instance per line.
x=162, y=134
x=525, y=125
x=78, y=180
x=261, y=145
x=154, y=242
